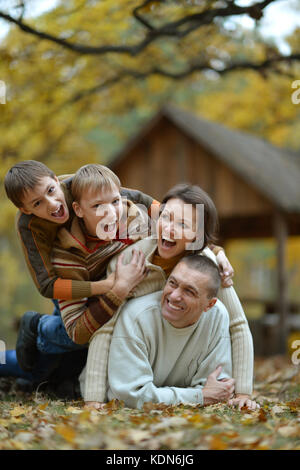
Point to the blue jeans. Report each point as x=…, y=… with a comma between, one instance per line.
x=50, y=367
x=52, y=336
x=45, y=366
x=59, y=357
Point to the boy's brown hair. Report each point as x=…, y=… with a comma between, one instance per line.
x=22, y=177
x=93, y=176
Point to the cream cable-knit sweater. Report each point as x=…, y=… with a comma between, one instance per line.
x=93, y=379
x=151, y=361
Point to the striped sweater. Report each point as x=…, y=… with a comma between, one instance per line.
x=80, y=257
x=37, y=237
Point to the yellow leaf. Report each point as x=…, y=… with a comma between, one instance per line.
x=66, y=432
x=4, y=423
x=216, y=443
x=72, y=409
x=84, y=416
x=17, y=411
x=43, y=406
x=18, y=445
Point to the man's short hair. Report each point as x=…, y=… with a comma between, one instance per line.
x=93, y=176
x=22, y=177
x=205, y=265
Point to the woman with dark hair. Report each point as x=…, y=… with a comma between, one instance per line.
x=187, y=223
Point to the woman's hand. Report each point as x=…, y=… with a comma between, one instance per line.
x=129, y=275
x=226, y=270
x=241, y=400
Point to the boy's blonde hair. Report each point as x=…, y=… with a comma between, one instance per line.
x=93, y=176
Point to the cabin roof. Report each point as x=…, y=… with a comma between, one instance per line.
x=273, y=171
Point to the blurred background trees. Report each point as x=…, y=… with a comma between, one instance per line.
x=82, y=76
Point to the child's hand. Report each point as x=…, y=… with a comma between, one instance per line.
x=94, y=405
x=129, y=275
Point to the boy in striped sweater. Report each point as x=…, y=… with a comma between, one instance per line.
x=104, y=225
x=45, y=204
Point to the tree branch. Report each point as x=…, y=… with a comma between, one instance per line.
x=266, y=65
x=170, y=29
x=139, y=18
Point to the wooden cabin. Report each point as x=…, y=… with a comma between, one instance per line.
x=255, y=185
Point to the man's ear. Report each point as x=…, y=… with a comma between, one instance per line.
x=21, y=209
x=211, y=303
x=77, y=209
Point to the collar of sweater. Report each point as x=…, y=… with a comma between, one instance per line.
x=77, y=236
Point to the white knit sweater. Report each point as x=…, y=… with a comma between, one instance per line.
x=151, y=361
x=93, y=379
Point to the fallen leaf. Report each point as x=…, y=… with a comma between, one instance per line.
x=168, y=422
x=262, y=416
x=276, y=409
x=17, y=411
x=25, y=436
x=135, y=436
x=216, y=443
x=66, y=432
x=289, y=431
x=72, y=409
x=294, y=405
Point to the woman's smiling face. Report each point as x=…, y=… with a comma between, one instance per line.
x=176, y=228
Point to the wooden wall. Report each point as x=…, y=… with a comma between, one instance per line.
x=166, y=156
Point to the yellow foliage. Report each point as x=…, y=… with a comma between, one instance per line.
x=43, y=120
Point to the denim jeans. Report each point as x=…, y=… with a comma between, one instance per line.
x=53, y=367
x=52, y=336
x=59, y=357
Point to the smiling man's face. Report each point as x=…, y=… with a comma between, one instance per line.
x=46, y=200
x=185, y=296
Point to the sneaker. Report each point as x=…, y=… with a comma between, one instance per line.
x=68, y=389
x=26, y=348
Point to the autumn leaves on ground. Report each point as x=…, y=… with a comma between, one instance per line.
x=37, y=422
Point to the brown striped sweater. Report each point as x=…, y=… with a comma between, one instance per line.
x=79, y=257
x=37, y=237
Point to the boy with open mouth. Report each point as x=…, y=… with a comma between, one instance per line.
x=45, y=204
